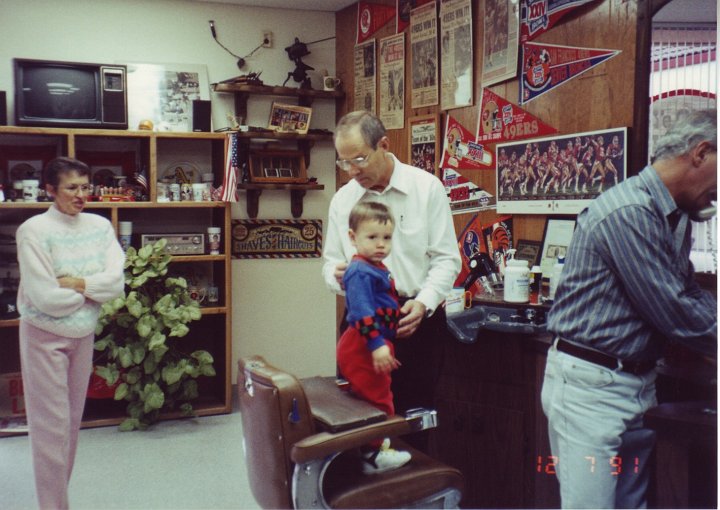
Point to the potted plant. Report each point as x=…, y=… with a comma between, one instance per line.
x=139, y=335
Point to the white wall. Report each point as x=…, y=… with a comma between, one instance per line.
x=280, y=307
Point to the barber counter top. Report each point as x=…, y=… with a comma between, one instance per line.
x=494, y=314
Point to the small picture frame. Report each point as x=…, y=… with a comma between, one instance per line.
x=556, y=239
x=288, y=118
x=528, y=250
x=280, y=166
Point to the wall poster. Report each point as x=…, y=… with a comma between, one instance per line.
x=365, y=77
x=424, y=135
x=500, y=41
x=424, y=56
x=559, y=174
x=392, y=81
x=456, y=54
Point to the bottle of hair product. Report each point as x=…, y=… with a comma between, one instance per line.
x=555, y=276
x=516, y=287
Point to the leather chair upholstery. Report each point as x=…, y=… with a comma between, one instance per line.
x=301, y=440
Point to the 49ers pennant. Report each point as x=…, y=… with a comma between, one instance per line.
x=545, y=66
x=460, y=150
x=500, y=121
x=371, y=18
x=537, y=16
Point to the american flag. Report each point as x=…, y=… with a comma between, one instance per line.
x=230, y=180
x=141, y=179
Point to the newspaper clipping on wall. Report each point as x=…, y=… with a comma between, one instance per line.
x=500, y=45
x=364, y=58
x=392, y=81
x=423, y=142
x=456, y=54
x=424, y=61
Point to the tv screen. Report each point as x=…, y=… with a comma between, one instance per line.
x=61, y=93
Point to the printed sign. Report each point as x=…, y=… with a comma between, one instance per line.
x=276, y=239
x=537, y=16
x=465, y=196
x=501, y=121
x=545, y=66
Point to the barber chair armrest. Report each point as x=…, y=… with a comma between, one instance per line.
x=322, y=444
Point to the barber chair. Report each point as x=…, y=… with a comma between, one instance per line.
x=301, y=442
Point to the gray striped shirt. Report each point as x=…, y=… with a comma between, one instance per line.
x=627, y=285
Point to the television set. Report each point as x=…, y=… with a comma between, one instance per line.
x=70, y=94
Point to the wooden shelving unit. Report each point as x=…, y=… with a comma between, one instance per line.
x=305, y=142
x=153, y=152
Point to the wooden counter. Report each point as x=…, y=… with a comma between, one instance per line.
x=491, y=424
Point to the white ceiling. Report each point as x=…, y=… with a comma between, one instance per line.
x=306, y=5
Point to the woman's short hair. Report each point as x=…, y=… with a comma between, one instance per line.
x=687, y=132
x=63, y=166
x=369, y=211
x=371, y=127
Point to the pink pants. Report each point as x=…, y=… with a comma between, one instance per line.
x=56, y=372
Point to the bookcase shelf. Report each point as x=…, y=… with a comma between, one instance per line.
x=152, y=152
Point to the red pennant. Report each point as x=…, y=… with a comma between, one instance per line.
x=501, y=121
x=460, y=150
x=372, y=17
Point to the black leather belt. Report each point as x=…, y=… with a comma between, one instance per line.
x=604, y=360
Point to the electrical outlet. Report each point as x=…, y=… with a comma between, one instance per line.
x=267, y=41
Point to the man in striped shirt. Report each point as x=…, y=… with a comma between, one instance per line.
x=626, y=290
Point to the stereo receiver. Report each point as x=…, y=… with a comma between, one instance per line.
x=178, y=244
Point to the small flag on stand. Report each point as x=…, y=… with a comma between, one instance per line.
x=230, y=180
x=141, y=179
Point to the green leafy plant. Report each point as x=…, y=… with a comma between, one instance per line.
x=139, y=334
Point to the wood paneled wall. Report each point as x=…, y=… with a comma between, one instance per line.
x=604, y=97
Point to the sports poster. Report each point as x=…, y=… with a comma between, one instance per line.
x=371, y=18
x=500, y=41
x=424, y=134
x=538, y=16
x=456, y=54
x=423, y=56
x=364, y=70
x=545, y=66
x=392, y=81
x=501, y=121
x=559, y=174
x=465, y=196
x=460, y=149
x=492, y=238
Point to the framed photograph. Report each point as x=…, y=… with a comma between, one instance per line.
x=528, y=250
x=423, y=137
x=277, y=166
x=164, y=94
x=556, y=239
x=559, y=174
x=288, y=118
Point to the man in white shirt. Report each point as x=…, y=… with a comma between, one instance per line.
x=425, y=260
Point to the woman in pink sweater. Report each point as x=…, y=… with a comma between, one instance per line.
x=70, y=263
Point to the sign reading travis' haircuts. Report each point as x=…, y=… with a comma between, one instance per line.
x=276, y=239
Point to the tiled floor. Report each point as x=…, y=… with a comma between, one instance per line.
x=182, y=464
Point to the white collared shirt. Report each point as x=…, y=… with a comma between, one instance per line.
x=424, y=260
